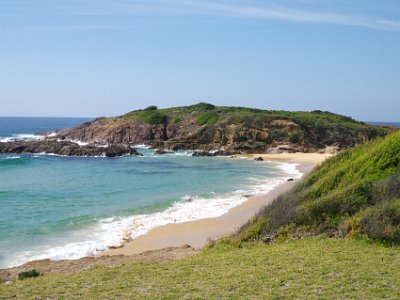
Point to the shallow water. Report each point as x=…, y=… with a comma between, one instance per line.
x=68, y=207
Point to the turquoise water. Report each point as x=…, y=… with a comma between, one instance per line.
x=69, y=207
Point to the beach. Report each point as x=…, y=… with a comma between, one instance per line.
x=198, y=233
x=178, y=240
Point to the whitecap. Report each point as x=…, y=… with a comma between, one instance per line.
x=114, y=231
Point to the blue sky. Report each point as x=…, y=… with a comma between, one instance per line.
x=104, y=58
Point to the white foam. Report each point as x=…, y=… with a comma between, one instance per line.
x=90, y=241
x=51, y=134
x=291, y=169
x=22, y=137
x=11, y=157
x=184, y=153
x=80, y=143
x=141, y=146
x=112, y=232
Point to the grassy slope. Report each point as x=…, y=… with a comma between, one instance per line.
x=354, y=194
x=314, y=268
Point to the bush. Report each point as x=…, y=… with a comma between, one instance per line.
x=158, y=119
x=295, y=137
x=202, y=106
x=153, y=117
x=209, y=118
x=278, y=134
x=28, y=274
x=151, y=107
x=177, y=120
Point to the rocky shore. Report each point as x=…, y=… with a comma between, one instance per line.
x=207, y=130
x=65, y=148
x=230, y=130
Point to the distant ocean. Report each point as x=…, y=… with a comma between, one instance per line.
x=395, y=124
x=69, y=207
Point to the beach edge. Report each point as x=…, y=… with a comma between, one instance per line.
x=198, y=233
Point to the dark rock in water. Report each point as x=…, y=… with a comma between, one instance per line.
x=119, y=150
x=215, y=153
x=259, y=159
x=162, y=152
x=65, y=148
x=290, y=179
x=202, y=153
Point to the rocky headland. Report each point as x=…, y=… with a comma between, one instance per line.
x=209, y=129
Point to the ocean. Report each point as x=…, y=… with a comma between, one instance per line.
x=69, y=207
x=395, y=124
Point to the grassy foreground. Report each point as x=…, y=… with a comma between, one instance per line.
x=313, y=268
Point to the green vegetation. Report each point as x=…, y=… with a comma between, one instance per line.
x=202, y=106
x=152, y=116
x=315, y=120
x=353, y=194
x=315, y=129
x=209, y=118
x=315, y=268
x=335, y=235
x=28, y=274
x=151, y=107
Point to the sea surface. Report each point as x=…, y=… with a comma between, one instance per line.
x=395, y=124
x=69, y=207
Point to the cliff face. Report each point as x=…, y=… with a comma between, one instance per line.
x=206, y=127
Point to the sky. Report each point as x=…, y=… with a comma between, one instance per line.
x=89, y=58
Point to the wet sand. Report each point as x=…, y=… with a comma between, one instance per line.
x=198, y=233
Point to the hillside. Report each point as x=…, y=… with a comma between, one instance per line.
x=208, y=127
x=353, y=194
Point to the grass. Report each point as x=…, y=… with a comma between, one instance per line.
x=355, y=193
x=313, y=268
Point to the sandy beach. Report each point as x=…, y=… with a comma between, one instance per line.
x=297, y=157
x=198, y=233
x=172, y=241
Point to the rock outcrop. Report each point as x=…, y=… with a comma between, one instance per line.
x=65, y=148
x=208, y=128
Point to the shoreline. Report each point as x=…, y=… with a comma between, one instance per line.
x=198, y=233
x=185, y=237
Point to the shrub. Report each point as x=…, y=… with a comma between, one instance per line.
x=202, y=106
x=295, y=137
x=28, y=274
x=151, y=107
x=278, y=134
x=209, y=118
x=158, y=119
x=153, y=117
x=177, y=120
